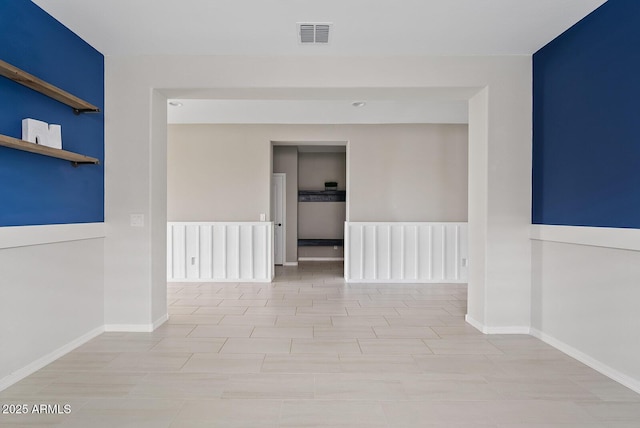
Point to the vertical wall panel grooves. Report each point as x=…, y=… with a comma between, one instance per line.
x=233, y=251
x=375, y=253
x=409, y=252
x=457, y=252
x=362, y=241
x=444, y=252
x=211, y=253
x=430, y=229
x=389, y=252
x=403, y=262
x=416, y=243
x=225, y=248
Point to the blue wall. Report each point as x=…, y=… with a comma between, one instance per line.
x=586, y=116
x=35, y=189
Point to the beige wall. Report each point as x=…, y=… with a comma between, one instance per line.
x=321, y=252
x=321, y=220
x=408, y=173
x=396, y=172
x=217, y=173
x=316, y=168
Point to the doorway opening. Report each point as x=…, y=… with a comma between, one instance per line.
x=312, y=206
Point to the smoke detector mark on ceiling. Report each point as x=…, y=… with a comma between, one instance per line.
x=314, y=33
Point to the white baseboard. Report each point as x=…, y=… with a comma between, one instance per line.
x=402, y=281
x=205, y=280
x=136, y=328
x=128, y=328
x=497, y=330
x=36, y=365
x=320, y=259
x=475, y=324
x=290, y=264
x=629, y=382
x=163, y=319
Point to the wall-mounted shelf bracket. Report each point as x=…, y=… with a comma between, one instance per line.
x=79, y=111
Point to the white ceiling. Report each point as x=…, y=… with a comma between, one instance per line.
x=360, y=27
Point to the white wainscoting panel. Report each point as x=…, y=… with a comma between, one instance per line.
x=220, y=251
x=406, y=252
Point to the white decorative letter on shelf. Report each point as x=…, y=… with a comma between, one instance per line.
x=39, y=132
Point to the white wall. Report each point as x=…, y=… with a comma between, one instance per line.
x=51, y=296
x=585, y=297
x=505, y=111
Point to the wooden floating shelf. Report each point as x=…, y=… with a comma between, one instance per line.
x=74, y=158
x=30, y=81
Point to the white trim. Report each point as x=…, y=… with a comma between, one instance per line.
x=629, y=382
x=283, y=246
x=497, y=330
x=290, y=264
x=226, y=223
x=515, y=329
x=137, y=328
x=346, y=242
x=128, y=328
x=211, y=280
x=163, y=319
x=36, y=365
x=23, y=236
x=476, y=324
x=320, y=259
x=402, y=281
x=625, y=239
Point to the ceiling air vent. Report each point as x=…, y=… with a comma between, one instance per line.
x=314, y=33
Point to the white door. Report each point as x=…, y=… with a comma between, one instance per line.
x=278, y=186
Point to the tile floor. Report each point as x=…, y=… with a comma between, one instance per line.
x=310, y=351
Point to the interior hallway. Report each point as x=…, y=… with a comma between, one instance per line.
x=310, y=351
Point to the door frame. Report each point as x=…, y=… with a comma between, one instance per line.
x=283, y=244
